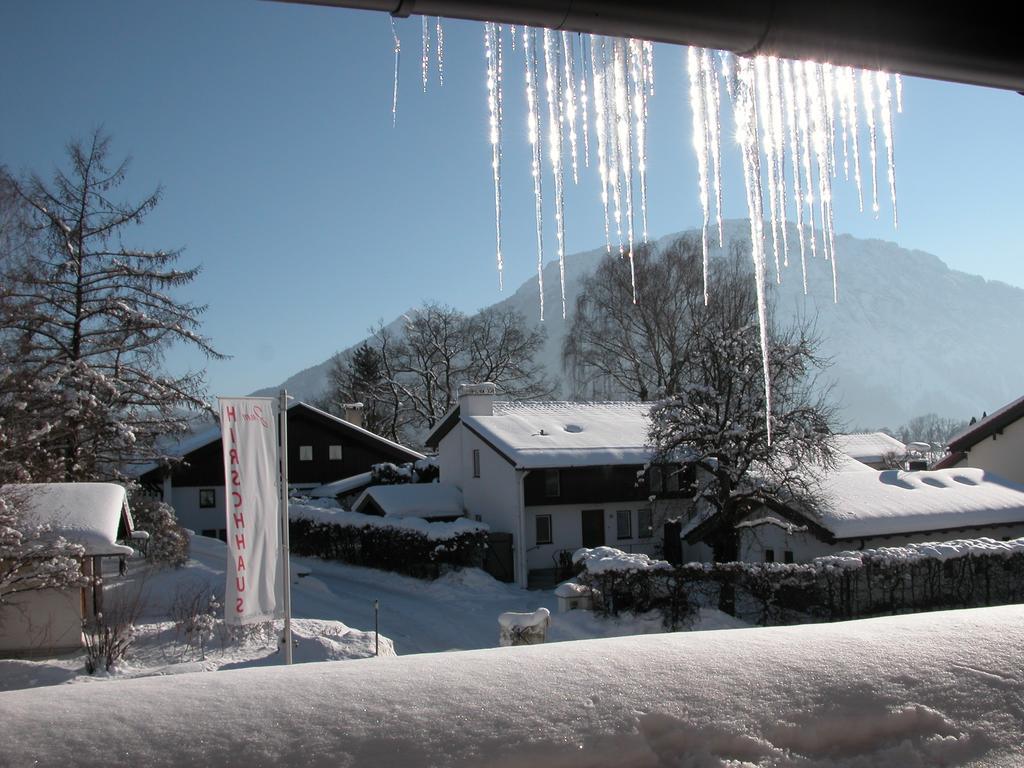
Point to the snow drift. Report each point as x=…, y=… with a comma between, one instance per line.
x=928, y=689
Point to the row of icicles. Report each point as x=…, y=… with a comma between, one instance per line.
x=797, y=125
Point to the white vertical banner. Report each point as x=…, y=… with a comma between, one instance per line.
x=254, y=580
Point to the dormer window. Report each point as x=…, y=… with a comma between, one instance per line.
x=552, y=483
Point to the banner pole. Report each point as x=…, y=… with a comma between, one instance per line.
x=285, y=569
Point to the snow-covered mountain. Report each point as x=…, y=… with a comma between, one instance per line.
x=907, y=336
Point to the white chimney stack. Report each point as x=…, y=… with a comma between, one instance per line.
x=354, y=413
x=477, y=399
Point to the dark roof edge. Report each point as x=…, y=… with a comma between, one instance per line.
x=988, y=426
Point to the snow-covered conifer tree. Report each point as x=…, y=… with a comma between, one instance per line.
x=85, y=319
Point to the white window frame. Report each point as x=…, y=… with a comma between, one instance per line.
x=655, y=479
x=620, y=515
x=650, y=523
x=305, y=453
x=335, y=453
x=536, y=530
x=556, y=485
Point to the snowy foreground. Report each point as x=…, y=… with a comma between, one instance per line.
x=920, y=690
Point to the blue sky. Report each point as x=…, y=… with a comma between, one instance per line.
x=269, y=126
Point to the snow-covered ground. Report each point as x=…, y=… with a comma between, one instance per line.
x=334, y=618
x=934, y=689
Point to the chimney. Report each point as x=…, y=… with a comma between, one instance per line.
x=354, y=413
x=477, y=399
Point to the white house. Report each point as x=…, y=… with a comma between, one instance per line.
x=875, y=449
x=88, y=514
x=441, y=502
x=995, y=444
x=321, y=449
x=863, y=509
x=556, y=476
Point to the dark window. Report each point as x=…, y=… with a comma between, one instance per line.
x=624, y=524
x=644, y=523
x=305, y=453
x=769, y=555
x=543, y=529
x=787, y=556
x=654, y=479
x=334, y=452
x=672, y=479
x=552, y=483
x=210, y=533
x=207, y=499
x=476, y=462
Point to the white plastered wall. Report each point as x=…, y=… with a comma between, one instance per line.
x=1002, y=454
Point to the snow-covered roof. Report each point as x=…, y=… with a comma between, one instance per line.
x=539, y=435
x=343, y=486
x=988, y=426
x=894, y=501
x=83, y=513
x=434, y=531
x=869, y=448
x=413, y=455
x=424, y=500
x=211, y=433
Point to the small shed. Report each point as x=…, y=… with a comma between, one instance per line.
x=438, y=502
x=93, y=515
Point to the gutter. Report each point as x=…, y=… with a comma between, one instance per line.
x=975, y=44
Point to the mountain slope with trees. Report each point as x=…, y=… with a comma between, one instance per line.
x=909, y=336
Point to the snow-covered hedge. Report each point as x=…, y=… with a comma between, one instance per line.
x=955, y=574
x=408, y=545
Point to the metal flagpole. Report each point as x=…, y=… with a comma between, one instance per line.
x=285, y=565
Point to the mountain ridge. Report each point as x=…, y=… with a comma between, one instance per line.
x=909, y=335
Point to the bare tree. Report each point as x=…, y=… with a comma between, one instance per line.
x=416, y=372
x=86, y=320
x=619, y=347
x=716, y=423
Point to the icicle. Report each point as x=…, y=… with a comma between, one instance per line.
x=569, y=102
x=712, y=114
x=492, y=47
x=638, y=74
x=439, y=34
x=778, y=127
x=584, y=100
x=695, y=60
x=553, y=73
x=425, y=58
x=763, y=103
x=899, y=94
x=624, y=140
x=793, y=124
x=600, y=129
x=806, y=142
x=398, y=53
x=533, y=127
x=745, y=110
x=867, y=92
x=884, y=97
x=851, y=96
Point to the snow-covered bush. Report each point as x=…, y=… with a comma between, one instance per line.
x=195, y=611
x=168, y=542
x=421, y=471
x=109, y=634
x=31, y=556
x=917, y=577
x=406, y=545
